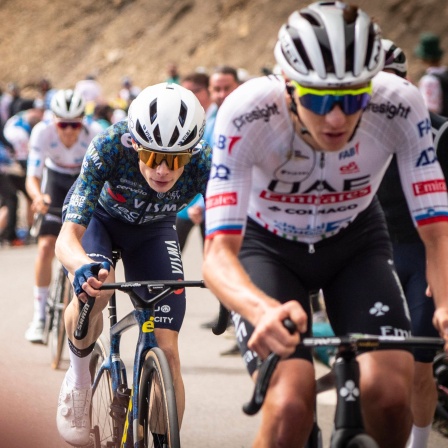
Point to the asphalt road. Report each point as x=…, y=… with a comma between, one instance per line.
x=216, y=386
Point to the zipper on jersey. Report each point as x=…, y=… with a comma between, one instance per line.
x=311, y=249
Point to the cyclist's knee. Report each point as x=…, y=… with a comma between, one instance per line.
x=386, y=381
x=46, y=247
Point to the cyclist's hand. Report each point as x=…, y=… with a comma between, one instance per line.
x=270, y=335
x=196, y=214
x=440, y=321
x=41, y=203
x=88, y=278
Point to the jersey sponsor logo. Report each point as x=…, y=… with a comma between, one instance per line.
x=259, y=113
x=429, y=187
x=321, y=211
x=319, y=185
x=96, y=160
x=313, y=199
x=126, y=140
x=155, y=208
x=424, y=127
x=170, y=195
x=391, y=110
x=134, y=190
x=74, y=216
x=222, y=199
x=116, y=196
x=77, y=200
x=353, y=151
x=221, y=142
x=351, y=168
x=220, y=172
x=427, y=157
x=298, y=166
x=288, y=230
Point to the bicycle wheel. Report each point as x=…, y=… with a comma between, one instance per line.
x=103, y=426
x=362, y=441
x=62, y=295
x=157, y=403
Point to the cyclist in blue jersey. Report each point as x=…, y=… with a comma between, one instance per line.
x=136, y=176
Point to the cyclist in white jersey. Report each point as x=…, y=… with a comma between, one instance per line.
x=56, y=150
x=290, y=208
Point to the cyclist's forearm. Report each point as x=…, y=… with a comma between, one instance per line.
x=68, y=248
x=33, y=187
x=226, y=278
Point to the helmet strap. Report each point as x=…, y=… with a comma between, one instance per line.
x=294, y=110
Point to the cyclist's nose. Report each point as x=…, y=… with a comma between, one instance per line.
x=336, y=116
x=162, y=169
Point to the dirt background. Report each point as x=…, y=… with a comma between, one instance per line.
x=64, y=40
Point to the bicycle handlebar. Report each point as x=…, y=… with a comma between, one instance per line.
x=162, y=287
x=357, y=343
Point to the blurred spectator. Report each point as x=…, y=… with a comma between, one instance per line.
x=223, y=81
x=434, y=83
x=128, y=91
x=103, y=115
x=173, y=73
x=193, y=215
x=91, y=91
x=17, y=132
x=46, y=91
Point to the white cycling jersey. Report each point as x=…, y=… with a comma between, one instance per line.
x=47, y=150
x=17, y=131
x=263, y=169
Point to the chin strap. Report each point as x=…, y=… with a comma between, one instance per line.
x=294, y=110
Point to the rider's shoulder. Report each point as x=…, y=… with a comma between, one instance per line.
x=394, y=88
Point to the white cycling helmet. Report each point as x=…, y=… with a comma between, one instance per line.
x=329, y=44
x=166, y=118
x=67, y=104
x=395, y=59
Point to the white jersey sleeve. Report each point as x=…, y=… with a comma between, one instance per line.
x=262, y=168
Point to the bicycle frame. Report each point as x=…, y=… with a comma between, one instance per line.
x=143, y=317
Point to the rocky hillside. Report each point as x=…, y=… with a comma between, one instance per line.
x=65, y=40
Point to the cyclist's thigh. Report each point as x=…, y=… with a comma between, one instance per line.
x=271, y=275
x=151, y=252
x=366, y=297
x=410, y=261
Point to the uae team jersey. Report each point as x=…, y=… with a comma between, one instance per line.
x=263, y=169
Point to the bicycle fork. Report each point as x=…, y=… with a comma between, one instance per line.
x=348, y=419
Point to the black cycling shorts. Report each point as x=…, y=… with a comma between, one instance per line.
x=148, y=252
x=353, y=268
x=56, y=185
x=410, y=262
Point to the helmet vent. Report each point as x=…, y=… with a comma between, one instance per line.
x=191, y=137
x=157, y=136
x=153, y=111
x=140, y=131
x=174, y=137
x=183, y=113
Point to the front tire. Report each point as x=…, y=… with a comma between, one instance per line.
x=362, y=441
x=102, y=424
x=61, y=296
x=157, y=403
